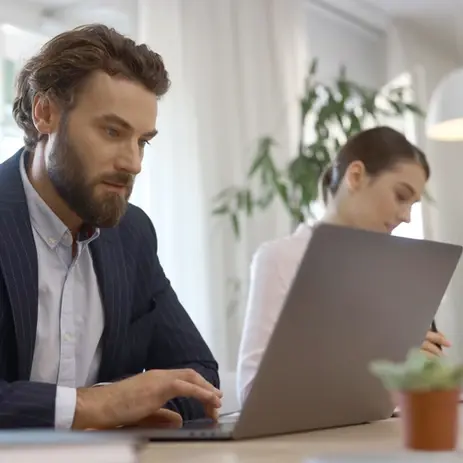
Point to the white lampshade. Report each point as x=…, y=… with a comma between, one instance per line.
x=444, y=120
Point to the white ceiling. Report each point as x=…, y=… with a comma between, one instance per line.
x=121, y=14
x=414, y=7
x=64, y=3
x=56, y=3
x=441, y=20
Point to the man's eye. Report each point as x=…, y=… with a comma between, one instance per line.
x=143, y=143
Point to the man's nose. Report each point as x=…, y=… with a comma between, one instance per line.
x=130, y=160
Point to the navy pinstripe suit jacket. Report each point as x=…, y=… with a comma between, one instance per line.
x=145, y=324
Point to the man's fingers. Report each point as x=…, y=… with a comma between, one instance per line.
x=162, y=418
x=194, y=377
x=183, y=388
x=211, y=412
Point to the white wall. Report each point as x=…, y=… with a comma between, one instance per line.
x=120, y=14
x=337, y=41
x=19, y=14
x=409, y=49
x=33, y=17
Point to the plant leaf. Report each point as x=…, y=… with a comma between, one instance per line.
x=313, y=67
x=249, y=203
x=415, y=109
x=329, y=115
x=220, y=210
x=263, y=154
x=418, y=372
x=236, y=225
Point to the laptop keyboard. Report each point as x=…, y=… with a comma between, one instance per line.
x=207, y=424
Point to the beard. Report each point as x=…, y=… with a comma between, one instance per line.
x=71, y=180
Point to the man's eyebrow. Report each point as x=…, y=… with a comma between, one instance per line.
x=150, y=134
x=115, y=119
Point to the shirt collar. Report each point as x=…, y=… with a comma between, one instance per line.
x=46, y=223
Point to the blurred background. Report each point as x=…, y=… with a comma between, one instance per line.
x=243, y=72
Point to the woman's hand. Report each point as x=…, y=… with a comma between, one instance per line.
x=432, y=341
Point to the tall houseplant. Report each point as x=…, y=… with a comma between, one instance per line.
x=329, y=114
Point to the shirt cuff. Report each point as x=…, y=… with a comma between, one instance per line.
x=65, y=407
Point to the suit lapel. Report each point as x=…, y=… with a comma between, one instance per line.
x=109, y=263
x=18, y=262
x=19, y=267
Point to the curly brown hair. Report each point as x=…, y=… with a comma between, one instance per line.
x=65, y=62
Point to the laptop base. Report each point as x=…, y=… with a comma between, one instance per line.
x=195, y=430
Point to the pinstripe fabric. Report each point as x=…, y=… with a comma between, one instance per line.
x=145, y=325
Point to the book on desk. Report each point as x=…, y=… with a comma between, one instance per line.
x=67, y=446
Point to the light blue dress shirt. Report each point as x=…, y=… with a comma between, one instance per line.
x=70, y=318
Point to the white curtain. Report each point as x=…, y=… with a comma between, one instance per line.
x=237, y=68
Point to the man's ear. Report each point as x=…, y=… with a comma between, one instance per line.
x=356, y=176
x=45, y=114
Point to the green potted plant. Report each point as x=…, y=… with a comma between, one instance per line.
x=328, y=115
x=426, y=390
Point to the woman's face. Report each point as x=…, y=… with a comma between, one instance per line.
x=384, y=202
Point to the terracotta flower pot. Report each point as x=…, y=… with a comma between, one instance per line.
x=429, y=419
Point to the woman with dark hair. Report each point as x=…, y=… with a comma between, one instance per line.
x=372, y=184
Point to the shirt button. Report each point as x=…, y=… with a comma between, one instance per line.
x=51, y=240
x=68, y=337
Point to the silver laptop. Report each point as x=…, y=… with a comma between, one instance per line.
x=357, y=296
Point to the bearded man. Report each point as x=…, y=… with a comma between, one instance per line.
x=84, y=301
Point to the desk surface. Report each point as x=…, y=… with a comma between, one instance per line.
x=384, y=436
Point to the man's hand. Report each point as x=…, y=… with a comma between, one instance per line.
x=139, y=399
x=432, y=341
x=163, y=418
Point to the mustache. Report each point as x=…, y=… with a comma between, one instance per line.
x=119, y=178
